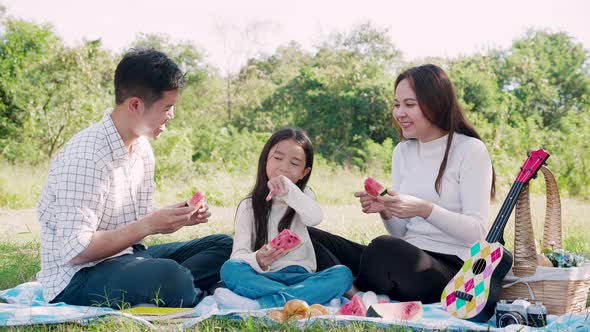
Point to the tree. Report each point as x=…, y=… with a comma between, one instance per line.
x=343, y=96
x=201, y=98
x=22, y=44
x=240, y=43
x=476, y=84
x=49, y=91
x=549, y=75
x=70, y=90
x=257, y=82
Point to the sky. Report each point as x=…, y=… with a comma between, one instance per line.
x=230, y=31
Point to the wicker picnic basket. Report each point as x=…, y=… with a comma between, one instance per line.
x=561, y=290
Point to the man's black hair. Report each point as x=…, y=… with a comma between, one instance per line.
x=146, y=73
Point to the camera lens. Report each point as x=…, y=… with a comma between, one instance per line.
x=510, y=318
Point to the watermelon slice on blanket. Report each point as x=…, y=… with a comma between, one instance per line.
x=355, y=307
x=286, y=240
x=196, y=201
x=374, y=188
x=397, y=311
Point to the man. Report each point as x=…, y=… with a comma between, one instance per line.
x=97, y=205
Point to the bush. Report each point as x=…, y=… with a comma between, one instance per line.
x=227, y=149
x=173, y=154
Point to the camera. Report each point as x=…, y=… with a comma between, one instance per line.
x=520, y=312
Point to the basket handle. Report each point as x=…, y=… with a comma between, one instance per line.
x=525, y=246
x=552, y=231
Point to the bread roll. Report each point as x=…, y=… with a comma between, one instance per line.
x=320, y=308
x=294, y=307
x=278, y=315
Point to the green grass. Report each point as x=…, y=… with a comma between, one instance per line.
x=20, y=185
x=332, y=185
x=215, y=324
x=19, y=262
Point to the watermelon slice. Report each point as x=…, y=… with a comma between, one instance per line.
x=355, y=307
x=374, y=188
x=196, y=201
x=397, y=311
x=286, y=240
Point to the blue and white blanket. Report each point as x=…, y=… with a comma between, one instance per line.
x=434, y=318
x=25, y=306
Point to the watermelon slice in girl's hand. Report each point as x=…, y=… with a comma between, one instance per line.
x=355, y=307
x=374, y=188
x=286, y=240
x=196, y=201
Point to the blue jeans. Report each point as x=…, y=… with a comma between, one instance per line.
x=170, y=274
x=274, y=289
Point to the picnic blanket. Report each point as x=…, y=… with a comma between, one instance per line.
x=26, y=306
x=435, y=318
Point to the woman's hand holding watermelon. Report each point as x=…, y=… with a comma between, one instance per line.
x=371, y=204
x=405, y=206
x=267, y=255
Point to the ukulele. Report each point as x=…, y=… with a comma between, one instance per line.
x=474, y=291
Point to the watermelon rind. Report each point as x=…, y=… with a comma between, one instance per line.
x=386, y=311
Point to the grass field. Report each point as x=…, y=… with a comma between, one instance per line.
x=19, y=245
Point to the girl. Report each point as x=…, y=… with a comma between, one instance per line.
x=258, y=276
x=440, y=200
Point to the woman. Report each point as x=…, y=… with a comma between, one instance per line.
x=442, y=182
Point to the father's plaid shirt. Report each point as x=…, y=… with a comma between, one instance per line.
x=94, y=184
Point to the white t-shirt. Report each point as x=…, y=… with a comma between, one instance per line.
x=307, y=213
x=460, y=213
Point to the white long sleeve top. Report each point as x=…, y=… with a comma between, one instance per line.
x=460, y=213
x=307, y=213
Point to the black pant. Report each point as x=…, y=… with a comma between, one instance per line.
x=333, y=250
x=389, y=265
x=167, y=275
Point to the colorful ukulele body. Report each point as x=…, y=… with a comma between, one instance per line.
x=473, y=292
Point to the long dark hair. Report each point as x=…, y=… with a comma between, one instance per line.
x=438, y=101
x=260, y=206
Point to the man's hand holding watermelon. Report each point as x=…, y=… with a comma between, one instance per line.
x=172, y=218
x=162, y=221
x=199, y=203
